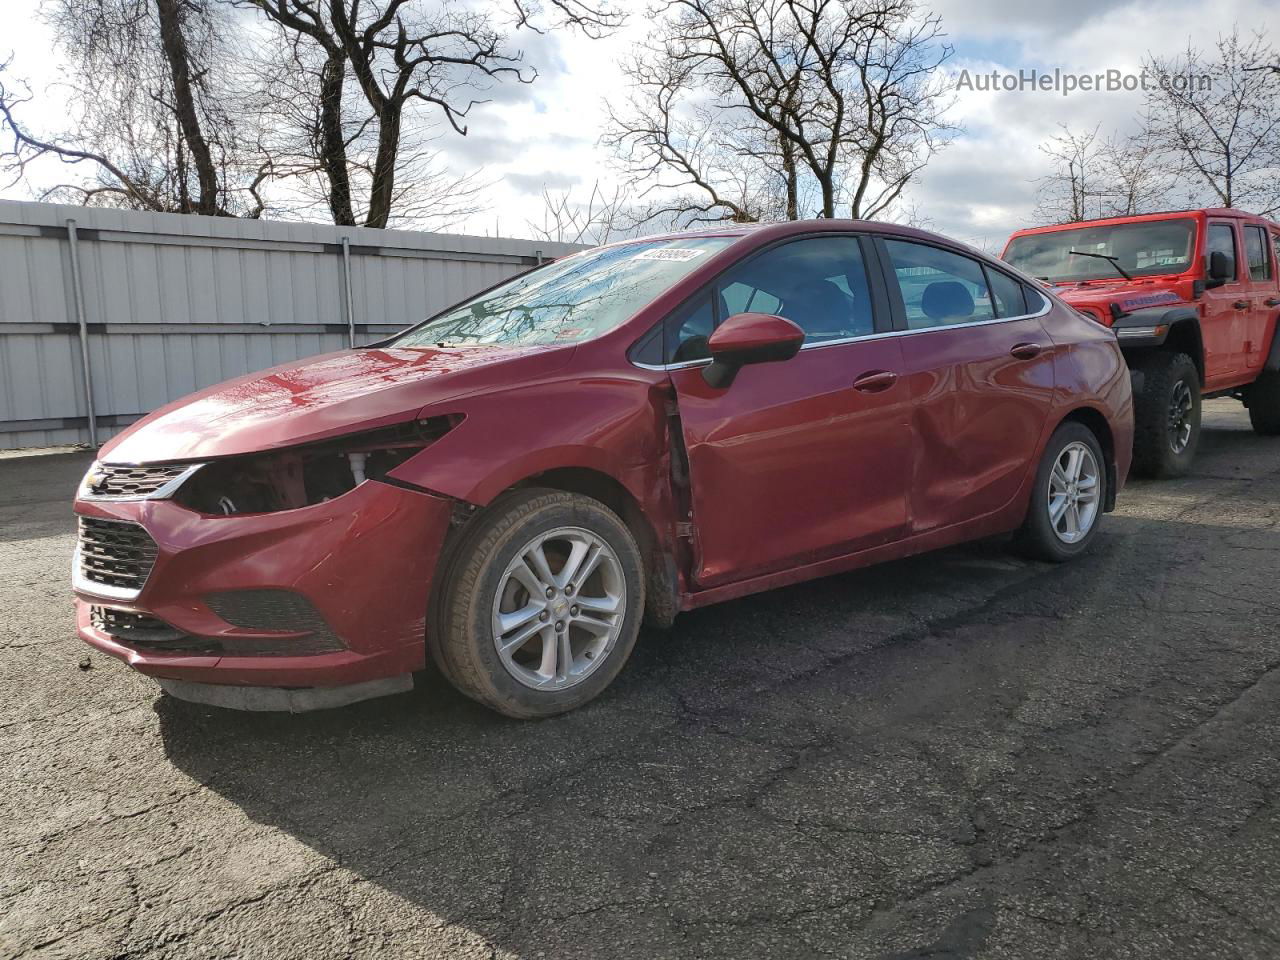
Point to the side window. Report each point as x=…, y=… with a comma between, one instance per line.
x=939, y=287
x=1036, y=300
x=1255, y=248
x=1275, y=248
x=685, y=332
x=1007, y=294
x=819, y=284
x=1222, y=239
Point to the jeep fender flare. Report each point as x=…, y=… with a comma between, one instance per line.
x=1155, y=326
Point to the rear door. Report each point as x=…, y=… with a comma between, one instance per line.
x=1262, y=294
x=981, y=370
x=805, y=459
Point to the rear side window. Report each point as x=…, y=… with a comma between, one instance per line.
x=1255, y=249
x=818, y=283
x=1222, y=239
x=1007, y=294
x=939, y=288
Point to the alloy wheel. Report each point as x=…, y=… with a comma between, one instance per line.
x=1074, y=488
x=559, y=609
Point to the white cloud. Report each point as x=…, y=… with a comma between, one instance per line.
x=979, y=189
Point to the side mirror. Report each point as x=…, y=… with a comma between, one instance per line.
x=1221, y=269
x=749, y=338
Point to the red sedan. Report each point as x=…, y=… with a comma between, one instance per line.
x=514, y=485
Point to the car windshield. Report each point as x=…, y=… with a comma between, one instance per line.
x=1138, y=249
x=569, y=301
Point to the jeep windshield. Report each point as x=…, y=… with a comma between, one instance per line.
x=568, y=301
x=1146, y=249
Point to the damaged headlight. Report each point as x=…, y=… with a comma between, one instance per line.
x=304, y=475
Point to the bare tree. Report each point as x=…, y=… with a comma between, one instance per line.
x=1137, y=175
x=1219, y=118
x=1076, y=158
x=843, y=93
x=150, y=78
x=692, y=160
x=400, y=56
x=601, y=218
x=323, y=141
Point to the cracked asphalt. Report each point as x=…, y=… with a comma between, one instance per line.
x=960, y=755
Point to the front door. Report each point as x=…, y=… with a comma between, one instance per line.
x=1225, y=326
x=804, y=459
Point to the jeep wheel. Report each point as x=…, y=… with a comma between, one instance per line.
x=1166, y=416
x=1264, y=405
x=541, y=605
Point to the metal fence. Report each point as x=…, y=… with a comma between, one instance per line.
x=108, y=314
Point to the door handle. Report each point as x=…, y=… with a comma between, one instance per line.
x=1272, y=302
x=875, y=381
x=1026, y=351
x=1241, y=304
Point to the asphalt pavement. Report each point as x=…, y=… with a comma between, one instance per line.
x=964, y=754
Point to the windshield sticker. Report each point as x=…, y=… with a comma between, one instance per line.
x=674, y=254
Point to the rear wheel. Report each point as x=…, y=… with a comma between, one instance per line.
x=541, y=608
x=1068, y=497
x=1166, y=416
x=1264, y=404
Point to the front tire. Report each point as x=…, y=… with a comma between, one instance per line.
x=1067, y=498
x=1166, y=416
x=541, y=606
x=1264, y=405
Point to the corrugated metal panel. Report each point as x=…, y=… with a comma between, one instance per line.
x=178, y=303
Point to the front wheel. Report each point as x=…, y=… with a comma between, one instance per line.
x=1068, y=497
x=1166, y=416
x=541, y=607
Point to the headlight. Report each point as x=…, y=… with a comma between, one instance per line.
x=300, y=476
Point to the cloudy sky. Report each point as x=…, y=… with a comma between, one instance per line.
x=978, y=190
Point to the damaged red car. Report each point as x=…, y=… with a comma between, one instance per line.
x=512, y=487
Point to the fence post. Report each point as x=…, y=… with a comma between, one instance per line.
x=78, y=293
x=346, y=281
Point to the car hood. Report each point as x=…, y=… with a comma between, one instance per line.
x=322, y=397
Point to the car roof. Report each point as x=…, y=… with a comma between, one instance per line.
x=764, y=232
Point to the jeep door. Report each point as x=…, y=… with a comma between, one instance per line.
x=804, y=459
x=1225, y=326
x=1264, y=295
x=981, y=368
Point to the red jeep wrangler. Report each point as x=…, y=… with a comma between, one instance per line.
x=1192, y=297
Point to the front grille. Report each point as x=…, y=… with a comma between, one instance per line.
x=115, y=553
x=130, y=482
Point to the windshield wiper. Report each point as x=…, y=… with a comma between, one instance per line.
x=1114, y=261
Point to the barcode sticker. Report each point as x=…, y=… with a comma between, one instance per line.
x=677, y=254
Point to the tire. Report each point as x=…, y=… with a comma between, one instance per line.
x=1264, y=405
x=1161, y=448
x=1045, y=537
x=490, y=576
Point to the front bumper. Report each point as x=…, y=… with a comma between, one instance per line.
x=364, y=561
